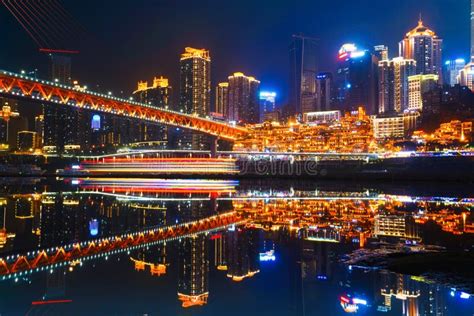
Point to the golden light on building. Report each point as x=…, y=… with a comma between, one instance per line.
x=417, y=86
x=425, y=47
x=156, y=269
x=240, y=278
x=193, y=300
x=158, y=82
x=190, y=52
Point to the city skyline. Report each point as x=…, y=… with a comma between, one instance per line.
x=250, y=57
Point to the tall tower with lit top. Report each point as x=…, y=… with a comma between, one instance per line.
x=195, y=81
x=466, y=76
x=425, y=47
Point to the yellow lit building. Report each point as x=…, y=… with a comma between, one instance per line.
x=425, y=47
x=243, y=97
x=394, y=126
x=447, y=133
x=222, y=98
x=393, y=84
x=195, y=82
x=417, y=86
x=158, y=94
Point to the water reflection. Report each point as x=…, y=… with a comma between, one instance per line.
x=288, y=250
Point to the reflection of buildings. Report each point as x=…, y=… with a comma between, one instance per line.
x=400, y=226
x=243, y=253
x=220, y=252
x=403, y=288
x=193, y=282
x=154, y=259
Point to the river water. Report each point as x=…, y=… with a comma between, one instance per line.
x=286, y=251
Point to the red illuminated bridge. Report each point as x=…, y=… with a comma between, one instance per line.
x=24, y=87
x=14, y=266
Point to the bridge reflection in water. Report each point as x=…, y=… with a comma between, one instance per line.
x=139, y=218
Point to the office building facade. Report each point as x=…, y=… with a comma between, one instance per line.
x=324, y=82
x=417, y=86
x=356, y=79
x=394, y=85
x=243, y=99
x=425, y=47
x=303, y=71
x=222, y=99
x=452, y=69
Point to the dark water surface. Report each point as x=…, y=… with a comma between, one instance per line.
x=283, y=254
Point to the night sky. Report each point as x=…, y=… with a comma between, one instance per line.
x=131, y=40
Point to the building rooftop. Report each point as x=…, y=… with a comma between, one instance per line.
x=421, y=30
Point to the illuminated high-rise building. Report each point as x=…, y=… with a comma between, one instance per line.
x=356, y=79
x=303, y=71
x=61, y=124
x=324, y=82
x=222, y=99
x=472, y=30
x=267, y=104
x=466, y=75
x=393, y=84
x=452, y=69
x=195, y=82
x=425, y=47
x=157, y=95
x=194, y=96
x=243, y=99
x=6, y=115
x=417, y=86
x=39, y=128
x=381, y=51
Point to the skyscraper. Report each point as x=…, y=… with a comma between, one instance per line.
x=194, y=96
x=303, y=71
x=452, y=69
x=195, y=82
x=222, y=99
x=393, y=84
x=425, y=47
x=466, y=75
x=417, y=86
x=157, y=95
x=243, y=99
x=267, y=104
x=61, y=123
x=356, y=79
x=472, y=30
x=324, y=90
x=381, y=51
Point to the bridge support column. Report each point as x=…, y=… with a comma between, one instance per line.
x=213, y=146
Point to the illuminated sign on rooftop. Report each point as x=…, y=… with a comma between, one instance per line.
x=350, y=50
x=267, y=94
